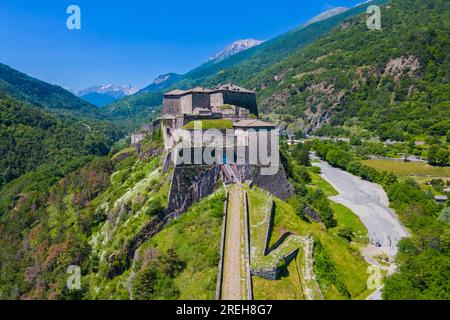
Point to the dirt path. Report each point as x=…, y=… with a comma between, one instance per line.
x=232, y=288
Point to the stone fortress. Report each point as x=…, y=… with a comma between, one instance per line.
x=231, y=110
x=227, y=109
x=225, y=102
x=200, y=99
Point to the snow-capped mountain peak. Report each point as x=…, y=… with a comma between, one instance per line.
x=234, y=48
x=101, y=95
x=114, y=90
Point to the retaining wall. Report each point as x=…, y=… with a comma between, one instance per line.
x=247, y=248
x=222, y=250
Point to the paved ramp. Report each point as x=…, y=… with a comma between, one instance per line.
x=234, y=274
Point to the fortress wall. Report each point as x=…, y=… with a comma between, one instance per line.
x=277, y=184
x=171, y=105
x=201, y=100
x=247, y=248
x=241, y=99
x=186, y=104
x=216, y=99
x=222, y=250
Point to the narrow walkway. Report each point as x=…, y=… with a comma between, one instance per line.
x=233, y=286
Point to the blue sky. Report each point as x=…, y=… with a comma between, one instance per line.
x=134, y=41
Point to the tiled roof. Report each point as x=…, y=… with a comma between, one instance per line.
x=232, y=87
x=199, y=90
x=175, y=93
x=184, y=92
x=225, y=87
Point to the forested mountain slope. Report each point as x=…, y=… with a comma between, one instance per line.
x=30, y=137
x=239, y=68
x=42, y=94
x=89, y=216
x=394, y=82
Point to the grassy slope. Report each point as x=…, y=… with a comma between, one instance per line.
x=346, y=218
x=289, y=286
x=195, y=237
x=349, y=263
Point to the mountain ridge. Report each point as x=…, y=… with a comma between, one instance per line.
x=327, y=14
x=235, y=69
x=42, y=94
x=101, y=95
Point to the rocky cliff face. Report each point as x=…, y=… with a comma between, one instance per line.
x=277, y=185
x=190, y=184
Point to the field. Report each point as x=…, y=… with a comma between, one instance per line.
x=411, y=169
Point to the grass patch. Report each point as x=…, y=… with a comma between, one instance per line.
x=288, y=287
x=322, y=184
x=349, y=264
x=195, y=237
x=347, y=218
x=209, y=124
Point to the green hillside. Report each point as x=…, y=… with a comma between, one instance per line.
x=392, y=82
x=69, y=222
x=133, y=111
x=30, y=137
x=42, y=94
x=239, y=68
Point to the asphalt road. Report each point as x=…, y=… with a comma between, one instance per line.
x=370, y=202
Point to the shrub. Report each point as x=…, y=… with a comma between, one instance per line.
x=445, y=215
x=346, y=233
x=154, y=207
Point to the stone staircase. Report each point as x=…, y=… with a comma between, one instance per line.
x=230, y=174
